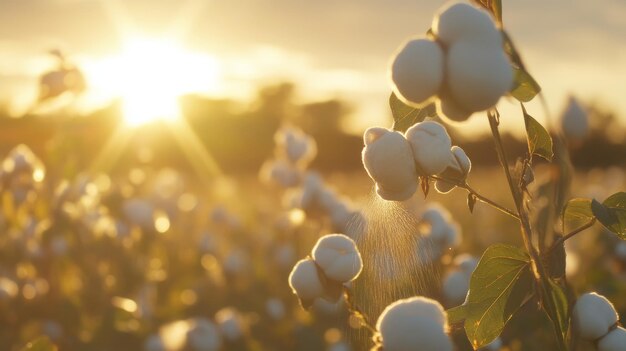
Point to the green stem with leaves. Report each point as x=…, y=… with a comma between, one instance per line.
x=539, y=270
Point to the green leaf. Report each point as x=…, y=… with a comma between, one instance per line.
x=457, y=314
x=525, y=87
x=612, y=213
x=560, y=305
x=577, y=212
x=578, y=209
x=539, y=140
x=498, y=287
x=405, y=116
x=40, y=344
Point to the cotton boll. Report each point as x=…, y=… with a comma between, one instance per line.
x=153, y=343
x=417, y=71
x=275, y=308
x=593, y=315
x=230, y=323
x=458, y=170
x=455, y=287
x=620, y=250
x=236, y=262
x=466, y=262
x=139, y=212
x=312, y=185
x=305, y=281
x=431, y=145
x=280, y=172
x=338, y=257
x=449, y=109
x=203, y=335
x=416, y=323
x=285, y=255
x=462, y=22
x=477, y=78
x=388, y=160
x=296, y=145
x=613, y=341
x=340, y=346
x=574, y=120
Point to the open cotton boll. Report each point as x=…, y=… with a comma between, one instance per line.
x=593, y=315
x=300, y=149
x=153, y=343
x=312, y=185
x=417, y=71
x=461, y=21
x=388, y=160
x=275, y=308
x=613, y=341
x=477, y=78
x=285, y=255
x=338, y=256
x=620, y=250
x=280, y=172
x=203, y=335
x=455, y=287
x=466, y=262
x=230, y=323
x=340, y=346
x=431, y=145
x=139, y=212
x=574, y=122
x=450, y=109
x=458, y=170
x=417, y=323
x=304, y=280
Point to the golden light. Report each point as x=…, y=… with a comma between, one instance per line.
x=150, y=75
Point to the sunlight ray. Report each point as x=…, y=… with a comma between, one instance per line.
x=112, y=150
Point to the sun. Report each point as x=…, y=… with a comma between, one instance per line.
x=150, y=75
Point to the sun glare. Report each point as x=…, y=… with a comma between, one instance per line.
x=150, y=75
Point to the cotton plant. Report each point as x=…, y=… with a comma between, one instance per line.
x=465, y=64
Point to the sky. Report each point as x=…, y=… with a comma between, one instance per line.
x=329, y=48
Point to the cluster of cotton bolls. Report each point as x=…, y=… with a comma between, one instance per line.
x=395, y=160
x=595, y=319
x=335, y=261
x=22, y=174
x=294, y=151
x=317, y=200
x=463, y=66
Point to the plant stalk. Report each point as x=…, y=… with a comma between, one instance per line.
x=539, y=270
